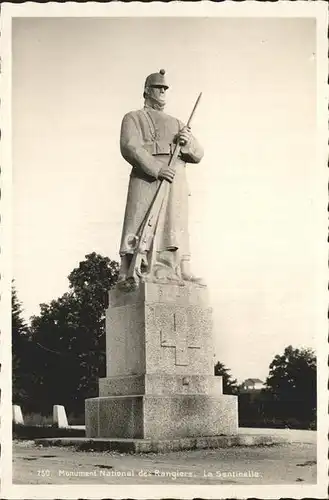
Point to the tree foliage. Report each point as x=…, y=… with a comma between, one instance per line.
x=69, y=336
x=19, y=326
x=292, y=382
x=292, y=375
x=20, y=339
x=229, y=384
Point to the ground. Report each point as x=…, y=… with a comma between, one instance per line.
x=288, y=463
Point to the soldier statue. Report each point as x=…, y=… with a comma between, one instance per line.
x=148, y=138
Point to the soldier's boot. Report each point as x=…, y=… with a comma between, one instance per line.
x=167, y=266
x=187, y=274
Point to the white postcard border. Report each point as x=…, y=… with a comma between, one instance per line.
x=316, y=9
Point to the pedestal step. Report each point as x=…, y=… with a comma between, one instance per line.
x=158, y=384
x=166, y=445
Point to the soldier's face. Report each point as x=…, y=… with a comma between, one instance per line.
x=158, y=92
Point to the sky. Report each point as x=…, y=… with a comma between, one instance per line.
x=255, y=210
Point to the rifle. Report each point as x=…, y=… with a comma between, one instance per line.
x=147, y=229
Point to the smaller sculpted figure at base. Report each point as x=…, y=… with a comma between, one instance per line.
x=148, y=141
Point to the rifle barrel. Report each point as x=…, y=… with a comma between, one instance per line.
x=193, y=110
x=177, y=146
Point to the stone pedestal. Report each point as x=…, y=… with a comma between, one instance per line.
x=160, y=382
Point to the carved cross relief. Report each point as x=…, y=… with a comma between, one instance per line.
x=174, y=333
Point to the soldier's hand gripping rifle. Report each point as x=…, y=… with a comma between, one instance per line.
x=147, y=229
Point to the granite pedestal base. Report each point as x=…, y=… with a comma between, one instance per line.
x=161, y=417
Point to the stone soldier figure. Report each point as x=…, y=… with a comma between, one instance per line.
x=148, y=137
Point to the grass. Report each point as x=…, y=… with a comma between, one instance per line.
x=37, y=425
x=76, y=419
x=37, y=419
x=277, y=423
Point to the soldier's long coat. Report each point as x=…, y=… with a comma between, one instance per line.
x=146, y=142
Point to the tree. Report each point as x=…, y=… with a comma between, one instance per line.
x=229, y=384
x=292, y=380
x=90, y=283
x=70, y=336
x=20, y=338
x=293, y=374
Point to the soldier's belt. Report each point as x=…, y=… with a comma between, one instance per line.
x=166, y=155
x=159, y=148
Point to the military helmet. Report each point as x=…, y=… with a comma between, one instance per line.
x=156, y=79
